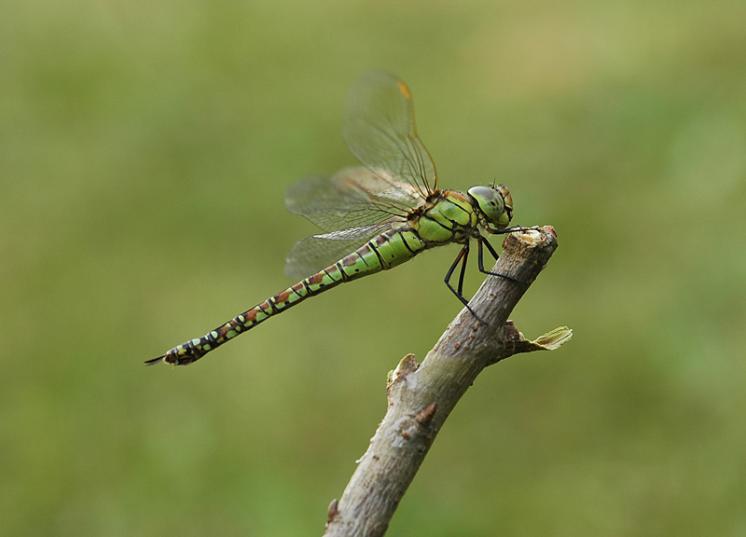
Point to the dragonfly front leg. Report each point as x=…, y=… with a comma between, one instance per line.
x=511, y=229
x=461, y=273
x=481, y=242
x=462, y=257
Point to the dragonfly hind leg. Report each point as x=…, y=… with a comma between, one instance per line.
x=481, y=243
x=462, y=257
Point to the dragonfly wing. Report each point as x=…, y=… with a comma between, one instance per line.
x=380, y=131
x=312, y=254
x=378, y=186
x=354, y=197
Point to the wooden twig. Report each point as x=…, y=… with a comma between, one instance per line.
x=420, y=397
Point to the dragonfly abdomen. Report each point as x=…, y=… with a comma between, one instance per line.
x=387, y=250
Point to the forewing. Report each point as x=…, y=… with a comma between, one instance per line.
x=380, y=131
x=354, y=197
x=379, y=187
x=312, y=254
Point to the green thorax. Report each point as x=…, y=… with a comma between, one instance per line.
x=448, y=217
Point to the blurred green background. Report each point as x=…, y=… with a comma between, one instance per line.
x=144, y=151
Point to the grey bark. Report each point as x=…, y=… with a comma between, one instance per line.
x=420, y=397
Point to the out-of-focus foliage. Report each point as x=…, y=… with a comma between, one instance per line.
x=144, y=151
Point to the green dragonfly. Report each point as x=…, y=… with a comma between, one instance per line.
x=374, y=217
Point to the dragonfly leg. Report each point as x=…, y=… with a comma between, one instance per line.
x=462, y=256
x=465, y=249
x=481, y=243
x=483, y=240
x=512, y=229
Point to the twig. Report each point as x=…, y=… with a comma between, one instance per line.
x=420, y=397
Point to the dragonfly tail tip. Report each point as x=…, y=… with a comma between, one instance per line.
x=156, y=360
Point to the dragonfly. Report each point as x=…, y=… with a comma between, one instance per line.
x=374, y=217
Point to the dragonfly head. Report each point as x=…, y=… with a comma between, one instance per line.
x=494, y=204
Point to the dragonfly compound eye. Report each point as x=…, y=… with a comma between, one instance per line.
x=491, y=203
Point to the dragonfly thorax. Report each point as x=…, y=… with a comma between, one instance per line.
x=494, y=205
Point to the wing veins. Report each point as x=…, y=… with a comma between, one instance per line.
x=413, y=172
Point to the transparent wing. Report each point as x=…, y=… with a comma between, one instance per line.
x=312, y=254
x=380, y=131
x=352, y=198
x=358, y=203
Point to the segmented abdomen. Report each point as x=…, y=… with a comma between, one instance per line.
x=384, y=251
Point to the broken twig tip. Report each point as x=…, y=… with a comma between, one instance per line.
x=550, y=230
